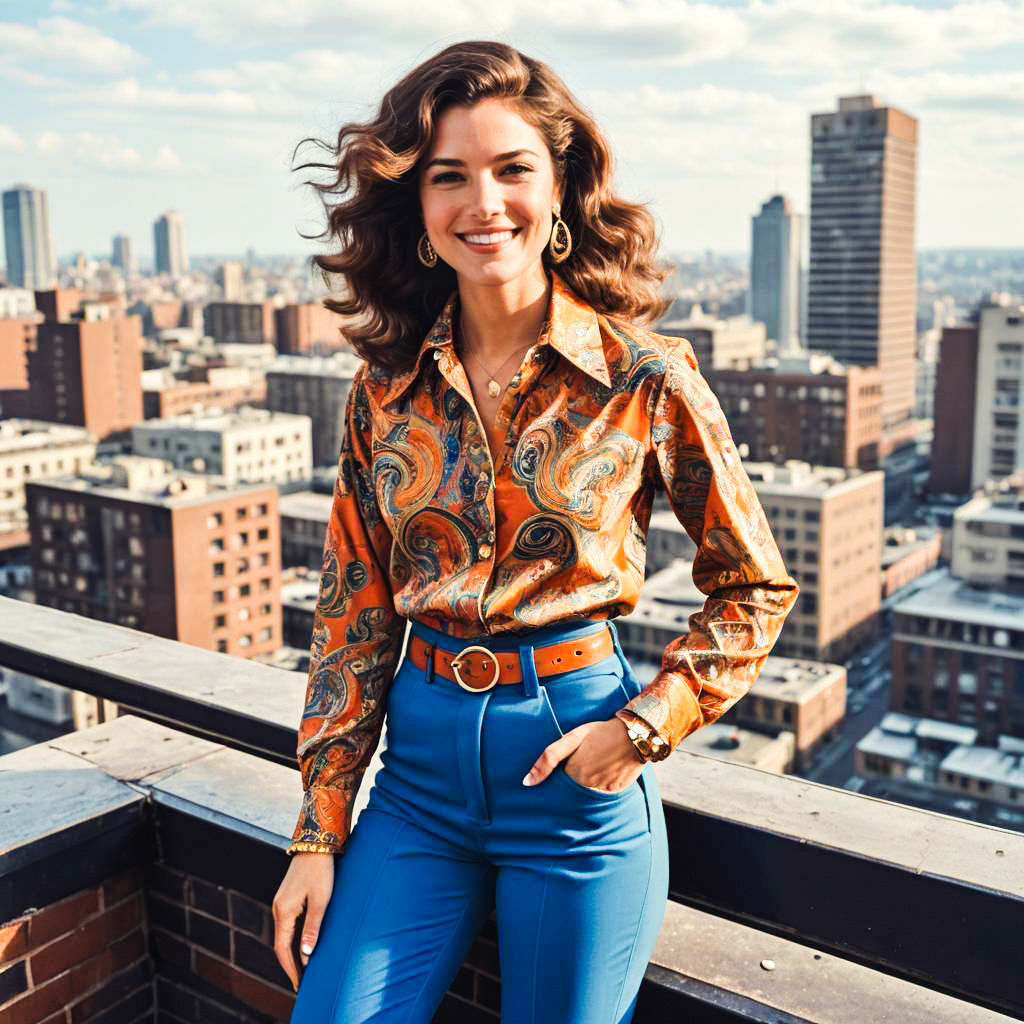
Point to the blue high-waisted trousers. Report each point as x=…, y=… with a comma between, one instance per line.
x=578, y=877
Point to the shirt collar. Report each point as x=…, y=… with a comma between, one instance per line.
x=572, y=329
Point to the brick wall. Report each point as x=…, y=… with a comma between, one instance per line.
x=213, y=949
x=81, y=960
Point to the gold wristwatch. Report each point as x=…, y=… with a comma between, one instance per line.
x=649, y=745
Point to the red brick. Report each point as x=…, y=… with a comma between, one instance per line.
x=114, y=958
x=115, y=889
x=92, y=938
x=13, y=940
x=60, y=918
x=40, y=1003
x=244, y=986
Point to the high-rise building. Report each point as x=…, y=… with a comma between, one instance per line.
x=956, y=386
x=245, y=445
x=248, y=323
x=88, y=373
x=862, y=305
x=169, y=244
x=232, y=280
x=123, y=256
x=775, y=270
x=27, y=241
x=162, y=552
x=828, y=524
x=314, y=386
x=998, y=420
x=805, y=406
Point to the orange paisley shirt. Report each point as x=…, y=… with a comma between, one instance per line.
x=427, y=523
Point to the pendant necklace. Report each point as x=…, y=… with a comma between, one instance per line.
x=493, y=387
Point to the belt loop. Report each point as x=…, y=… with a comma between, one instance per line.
x=431, y=649
x=529, y=668
x=627, y=669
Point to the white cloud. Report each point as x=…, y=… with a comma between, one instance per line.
x=86, y=150
x=65, y=43
x=10, y=139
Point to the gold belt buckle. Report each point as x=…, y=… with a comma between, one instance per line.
x=487, y=659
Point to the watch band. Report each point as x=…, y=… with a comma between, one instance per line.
x=649, y=745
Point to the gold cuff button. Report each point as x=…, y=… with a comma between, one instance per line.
x=485, y=550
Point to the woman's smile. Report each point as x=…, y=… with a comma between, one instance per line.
x=488, y=241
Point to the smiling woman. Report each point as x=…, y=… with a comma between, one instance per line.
x=379, y=194
x=502, y=446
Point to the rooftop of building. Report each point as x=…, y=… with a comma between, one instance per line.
x=900, y=542
x=998, y=501
x=730, y=743
x=337, y=364
x=941, y=595
x=799, y=479
x=306, y=505
x=149, y=481
x=216, y=420
x=26, y=434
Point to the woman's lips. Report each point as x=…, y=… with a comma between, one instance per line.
x=489, y=246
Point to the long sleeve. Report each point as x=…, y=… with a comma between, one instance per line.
x=357, y=637
x=738, y=563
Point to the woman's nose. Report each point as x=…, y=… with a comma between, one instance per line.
x=486, y=199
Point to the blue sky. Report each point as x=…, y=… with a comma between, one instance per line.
x=124, y=108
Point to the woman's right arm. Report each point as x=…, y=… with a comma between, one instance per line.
x=356, y=641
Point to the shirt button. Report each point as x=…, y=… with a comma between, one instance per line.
x=485, y=550
x=437, y=354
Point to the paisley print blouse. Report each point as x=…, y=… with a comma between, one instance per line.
x=427, y=523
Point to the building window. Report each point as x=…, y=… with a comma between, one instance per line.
x=241, y=512
x=263, y=534
x=266, y=634
x=215, y=519
x=245, y=641
x=218, y=568
x=244, y=590
x=218, y=597
x=265, y=558
x=217, y=544
x=264, y=586
x=220, y=621
x=265, y=609
x=222, y=645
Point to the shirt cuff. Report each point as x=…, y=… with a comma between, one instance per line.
x=669, y=707
x=325, y=821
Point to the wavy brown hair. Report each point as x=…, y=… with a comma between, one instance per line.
x=373, y=208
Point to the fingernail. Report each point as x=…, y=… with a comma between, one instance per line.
x=307, y=948
x=528, y=779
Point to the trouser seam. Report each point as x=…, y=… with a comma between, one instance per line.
x=465, y=910
x=366, y=905
x=636, y=935
x=536, y=949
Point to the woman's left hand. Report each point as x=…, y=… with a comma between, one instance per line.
x=602, y=757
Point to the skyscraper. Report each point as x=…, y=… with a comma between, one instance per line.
x=169, y=244
x=775, y=270
x=862, y=285
x=29, y=248
x=123, y=256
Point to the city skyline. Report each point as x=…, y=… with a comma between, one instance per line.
x=128, y=108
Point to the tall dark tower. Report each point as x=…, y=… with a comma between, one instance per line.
x=862, y=287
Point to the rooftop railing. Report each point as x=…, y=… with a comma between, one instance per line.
x=790, y=901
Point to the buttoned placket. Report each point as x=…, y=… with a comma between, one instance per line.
x=453, y=371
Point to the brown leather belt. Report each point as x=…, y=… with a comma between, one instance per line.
x=477, y=669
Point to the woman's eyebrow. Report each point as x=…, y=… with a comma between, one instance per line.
x=444, y=162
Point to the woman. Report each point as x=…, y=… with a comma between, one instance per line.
x=502, y=445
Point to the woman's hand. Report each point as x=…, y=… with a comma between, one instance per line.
x=607, y=759
x=308, y=884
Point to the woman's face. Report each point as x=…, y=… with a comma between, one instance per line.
x=487, y=188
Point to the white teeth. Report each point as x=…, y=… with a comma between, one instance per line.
x=499, y=236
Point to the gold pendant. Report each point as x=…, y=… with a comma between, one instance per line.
x=493, y=388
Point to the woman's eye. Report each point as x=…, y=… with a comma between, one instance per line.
x=447, y=176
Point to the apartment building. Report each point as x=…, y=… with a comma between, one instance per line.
x=166, y=553
x=244, y=445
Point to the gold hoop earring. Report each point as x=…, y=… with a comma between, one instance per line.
x=560, y=244
x=425, y=251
